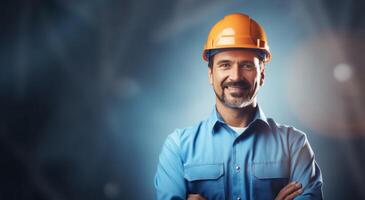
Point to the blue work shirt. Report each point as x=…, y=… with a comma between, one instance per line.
x=214, y=161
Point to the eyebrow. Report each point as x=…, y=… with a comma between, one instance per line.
x=246, y=62
x=223, y=61
x=241, y=62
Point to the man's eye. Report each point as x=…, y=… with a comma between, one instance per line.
x=224, y=65
x=248, y=66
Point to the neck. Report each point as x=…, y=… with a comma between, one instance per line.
x=237, y=117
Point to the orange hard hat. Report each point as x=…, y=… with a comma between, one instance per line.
x=237, y=31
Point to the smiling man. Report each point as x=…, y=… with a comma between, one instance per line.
x=237, y=153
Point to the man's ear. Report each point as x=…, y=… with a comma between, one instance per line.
x=210, y=75
x=262, y=73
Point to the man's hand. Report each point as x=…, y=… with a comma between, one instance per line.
x=195, y=197
x=290, y=191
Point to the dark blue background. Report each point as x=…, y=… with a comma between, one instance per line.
x=90, y=89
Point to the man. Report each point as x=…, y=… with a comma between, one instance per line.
x=237, y=153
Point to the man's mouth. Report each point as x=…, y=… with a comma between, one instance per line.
x=236, y=88
x=239, y=85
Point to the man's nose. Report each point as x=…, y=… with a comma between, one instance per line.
x=235, y=73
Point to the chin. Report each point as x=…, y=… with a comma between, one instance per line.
x=240, y=104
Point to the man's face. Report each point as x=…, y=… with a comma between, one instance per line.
x=236, y=76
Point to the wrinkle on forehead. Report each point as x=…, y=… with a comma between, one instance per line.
x=237, y=59
x=237, y=55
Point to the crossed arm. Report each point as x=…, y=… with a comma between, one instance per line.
x=170, y=183
x=289, y=192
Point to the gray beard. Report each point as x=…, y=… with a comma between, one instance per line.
x=235, y=104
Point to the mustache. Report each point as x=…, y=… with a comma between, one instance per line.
x=241, y=83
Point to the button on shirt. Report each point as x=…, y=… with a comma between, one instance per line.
x=214, y=161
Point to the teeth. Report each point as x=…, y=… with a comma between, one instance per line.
x=235, y=87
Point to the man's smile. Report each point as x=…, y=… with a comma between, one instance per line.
x=239, y=89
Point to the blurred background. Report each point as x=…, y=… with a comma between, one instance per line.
x=90, y=89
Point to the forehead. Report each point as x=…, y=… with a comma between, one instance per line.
x=236, y=55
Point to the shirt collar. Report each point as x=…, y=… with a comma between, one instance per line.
x=215, y=118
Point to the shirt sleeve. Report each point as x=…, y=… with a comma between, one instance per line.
x=169, y=178
x=304, y=169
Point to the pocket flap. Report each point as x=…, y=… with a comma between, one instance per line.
x=271, y=170
x=203, y=172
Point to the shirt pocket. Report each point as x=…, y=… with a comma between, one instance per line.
x=205, y=179
x=269, y=178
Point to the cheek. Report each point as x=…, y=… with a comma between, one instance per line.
x=216, y=83
x=255, y=78
x=256, y=83
x=218, y=77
